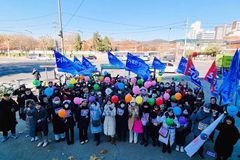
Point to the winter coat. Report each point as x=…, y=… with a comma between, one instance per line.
x=109, y=124
x=133, y=112
x=41, y=115
x=7, y=116
x=95, y=114
x=69, y=119
x=122, y=118
x=200, y=121
x=171, y=129
x=83, y=117
x=58, y=122
x=227, y=138
x=31, y=120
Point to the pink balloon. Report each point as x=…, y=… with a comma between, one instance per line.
x=107, y=80
x=133, y=80
x=77, y=100
x=147, y=84
x=154, y=83
x=86, y=78
x=136, y=90
x=168, y=91
x=166, y=96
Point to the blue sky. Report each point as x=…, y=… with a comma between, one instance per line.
x=119, y=19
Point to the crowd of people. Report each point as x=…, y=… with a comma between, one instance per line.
x=124, y=109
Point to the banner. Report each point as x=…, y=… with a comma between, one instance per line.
x=64, y=64
x=182, y=65
x=194, y=146
x=113, y=60
x=230, y=82
x=81, y=69
x=88, y=65
x=192, y=72
x=157, y=64
x=137, y=66
x=211, y=77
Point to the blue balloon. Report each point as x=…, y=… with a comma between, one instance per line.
x=145, y=78
x=105, y=73
x=120, y=86
x=177, y=111
x=232, y=110
x=48, y=92
x=204, y=136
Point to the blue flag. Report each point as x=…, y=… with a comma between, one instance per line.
x=182, y=65
x=228, y=87
x=137, y=66
x=81, y=69
x=88, y=65
x=157, y=64
x=113, y=60
x=64, y=64
x=224, y=72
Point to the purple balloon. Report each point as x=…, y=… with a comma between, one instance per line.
x=182, y=120
x=136, y=90
x=91, y=99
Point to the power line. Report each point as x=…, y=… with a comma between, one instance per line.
x=74, y=14
x=30, y=18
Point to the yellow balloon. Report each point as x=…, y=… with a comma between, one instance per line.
x=139, y=99
x=159, y=79
x=72, y=81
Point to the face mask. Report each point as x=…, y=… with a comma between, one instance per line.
x=93, y=105
x=119, y=92
x=28, y=93
x=154, y=95
x=57, y=102
x=161, y=85
x=133, y=104
x=185, y=112
x=66, y=105
x=172, y=84
x=122, y=105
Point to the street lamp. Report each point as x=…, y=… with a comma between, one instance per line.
x=31, y=33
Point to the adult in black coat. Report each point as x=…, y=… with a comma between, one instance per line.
x=122, y=120
x=227, y=138
x=69, y=123
x=8, y=109
x=83, y=120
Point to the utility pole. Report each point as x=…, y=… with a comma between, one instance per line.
x=185, y=40
x=54, y=31
x=60, y=23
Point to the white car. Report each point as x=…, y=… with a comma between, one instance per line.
x=43, y=58
x=170, y=67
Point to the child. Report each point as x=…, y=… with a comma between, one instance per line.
x=109, y=121
x=133, y=111
x=144, y=116
x=154, y=125
x=58, y=122
x=83, y=119
x=95, y=121
x=183, y=130
x=69, y=123
x=167, y=131
x=30, y=110
x=41, y=116
x=122, y=121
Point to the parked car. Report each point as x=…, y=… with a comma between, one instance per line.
x=170, y=67
x=169, y=58
x=91, y=57
x=32, y=56
x=43, y=58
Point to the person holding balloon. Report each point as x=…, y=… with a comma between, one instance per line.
x=184, y=129
x=122, y=120
x=154, y=126
x=58, y=120
x=69, y=121
x=144, y=116
x=109, y=124
x=83, y=119
x=95, y=119
x=168, y=129
x=133, y=111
